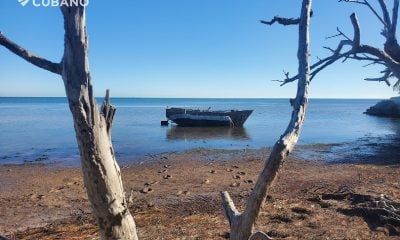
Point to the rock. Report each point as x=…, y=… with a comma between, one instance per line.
x=236, y=177
x=248, y=181
x=241, y=173
x=206, y=181
x=180, y=192
x=235, y=184
x=229, y=170
x=162, y=171
x=212, y=171
x=146, y=190
x=167, y=176
x=386, y=108
x=167, y=166
x=150, y=183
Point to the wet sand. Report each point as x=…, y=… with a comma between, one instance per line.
x=176, y=196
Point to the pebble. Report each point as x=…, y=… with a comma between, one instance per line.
x=162, y=171
x=167, y=176
x=180, y=192
x=248, y=181
x=235, y=184
x=212, y=171
x=206, y=181
x=242, y=173
x=229, y=170
x=150, y=183
x=236, y=177
x=167, y=166
x=146, y=190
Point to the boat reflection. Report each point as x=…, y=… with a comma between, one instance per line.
x=196, y=133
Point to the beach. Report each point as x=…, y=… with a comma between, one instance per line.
x=177, y=195
x=173, y=175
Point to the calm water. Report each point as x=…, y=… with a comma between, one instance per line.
x=31, y=128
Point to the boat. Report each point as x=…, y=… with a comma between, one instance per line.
x=200, y=118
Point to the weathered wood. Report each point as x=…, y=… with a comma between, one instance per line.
x=102, y=175
x=28, y=56
x=241, y=224
x=389, y=56
x=108, y=112
x=259, y=236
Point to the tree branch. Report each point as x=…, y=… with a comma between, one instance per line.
x=395, y=13
x=259, y=236
x=366, y=3
x=30, y=57
x=385, y=13
x=380, y=56
x=357, y=32
x=229, y=207
x=108, y=112
x=282, y=20
x=384, y=78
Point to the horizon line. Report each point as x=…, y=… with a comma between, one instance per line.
x=344, y=98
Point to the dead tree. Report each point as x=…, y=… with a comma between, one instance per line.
x=241, y=224
x=102, y=176
x=388, y=57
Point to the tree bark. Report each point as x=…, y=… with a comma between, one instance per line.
x=102, y=176
x=241, y=224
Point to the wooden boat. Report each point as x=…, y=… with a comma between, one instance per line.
x=196, y=117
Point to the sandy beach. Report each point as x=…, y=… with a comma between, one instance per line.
x=176, y=196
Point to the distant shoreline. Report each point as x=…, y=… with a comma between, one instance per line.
x=207, y=98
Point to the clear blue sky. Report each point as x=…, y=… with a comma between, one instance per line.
x=187, y=48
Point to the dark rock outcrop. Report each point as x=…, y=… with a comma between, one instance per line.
x=386, y=108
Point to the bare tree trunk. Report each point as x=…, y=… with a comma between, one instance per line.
x=102, y=176
x=241, y=224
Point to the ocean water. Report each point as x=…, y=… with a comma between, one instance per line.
x=41, y=129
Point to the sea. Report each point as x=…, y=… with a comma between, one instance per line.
x=40, y=129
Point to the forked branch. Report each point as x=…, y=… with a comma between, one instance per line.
x=241, y=224
x=30, y=57
x=385, y=78
x=369, y=53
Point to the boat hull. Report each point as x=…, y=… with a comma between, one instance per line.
x=201, y=118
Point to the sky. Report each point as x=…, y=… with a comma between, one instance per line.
x=189, y=49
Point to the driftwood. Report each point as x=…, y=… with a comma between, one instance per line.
x=241, y=224
x=102, y=176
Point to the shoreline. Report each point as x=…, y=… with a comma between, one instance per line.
x=361, y=150
x=177, y=195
